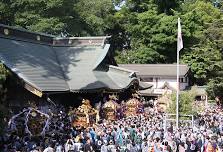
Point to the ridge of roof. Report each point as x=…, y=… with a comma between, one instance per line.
x=22, y=34
x=25, y=30
x=82, y=38
x=121, y=69
x=80, y=41
x=152, y=64
x=156, y=69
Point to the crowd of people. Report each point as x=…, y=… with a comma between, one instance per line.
x=143, y=133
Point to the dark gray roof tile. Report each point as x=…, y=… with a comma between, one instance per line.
x=63, y=68
x=156, y=69
x=35, y=63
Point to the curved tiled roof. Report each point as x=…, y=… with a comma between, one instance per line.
x=61, y=64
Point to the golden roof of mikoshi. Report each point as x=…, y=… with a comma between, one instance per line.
x=132, y=101
x=110, y=104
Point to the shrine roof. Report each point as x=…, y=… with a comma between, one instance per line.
x=51, y=64
x=162, y=70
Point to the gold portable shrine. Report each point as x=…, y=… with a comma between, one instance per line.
x=110, y=108
x=132, y=105
x=84, y=115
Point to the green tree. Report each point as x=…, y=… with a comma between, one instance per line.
x=206, y=52
x=148, y=34
x=3, y=109
x=147, y=29
x=49, y=16
x=215, y=88
x=166, y=6
x=152, y=24
x=186, y=100
x=70, y=17
x=95, y=15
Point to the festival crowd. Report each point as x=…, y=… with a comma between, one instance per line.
x=143, y=133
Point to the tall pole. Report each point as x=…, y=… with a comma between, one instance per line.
x=179, y=47
x=177, y=97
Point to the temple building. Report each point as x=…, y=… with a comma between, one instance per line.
x=162, y=77
x=48, y=66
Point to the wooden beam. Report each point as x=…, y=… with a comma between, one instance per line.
x=33, y=90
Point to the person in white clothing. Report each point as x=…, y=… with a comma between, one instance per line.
x=69, y=145
x=59, y=148
x=49, y=149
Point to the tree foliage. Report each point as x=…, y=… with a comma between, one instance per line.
x=151, y=28
x=146, y=28
x=3, y=110
x=70, y=17
x=215, y=88
x=153, y=25
x=206, y=51
x=186, y=100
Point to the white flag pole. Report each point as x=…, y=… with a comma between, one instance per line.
x=177, y=97
x=179, y=47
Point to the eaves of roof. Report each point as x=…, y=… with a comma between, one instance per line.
x=69, y=64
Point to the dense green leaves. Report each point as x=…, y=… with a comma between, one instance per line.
x=154, y=32
x=3, y=73
x=140, y=55
x=150, y=29
x=186, y=100
x=201, y=61
x=95, y=16
x=72, y=17
x=207, y=51
x=3, y=110
x=215, y=88
x=151, y=34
